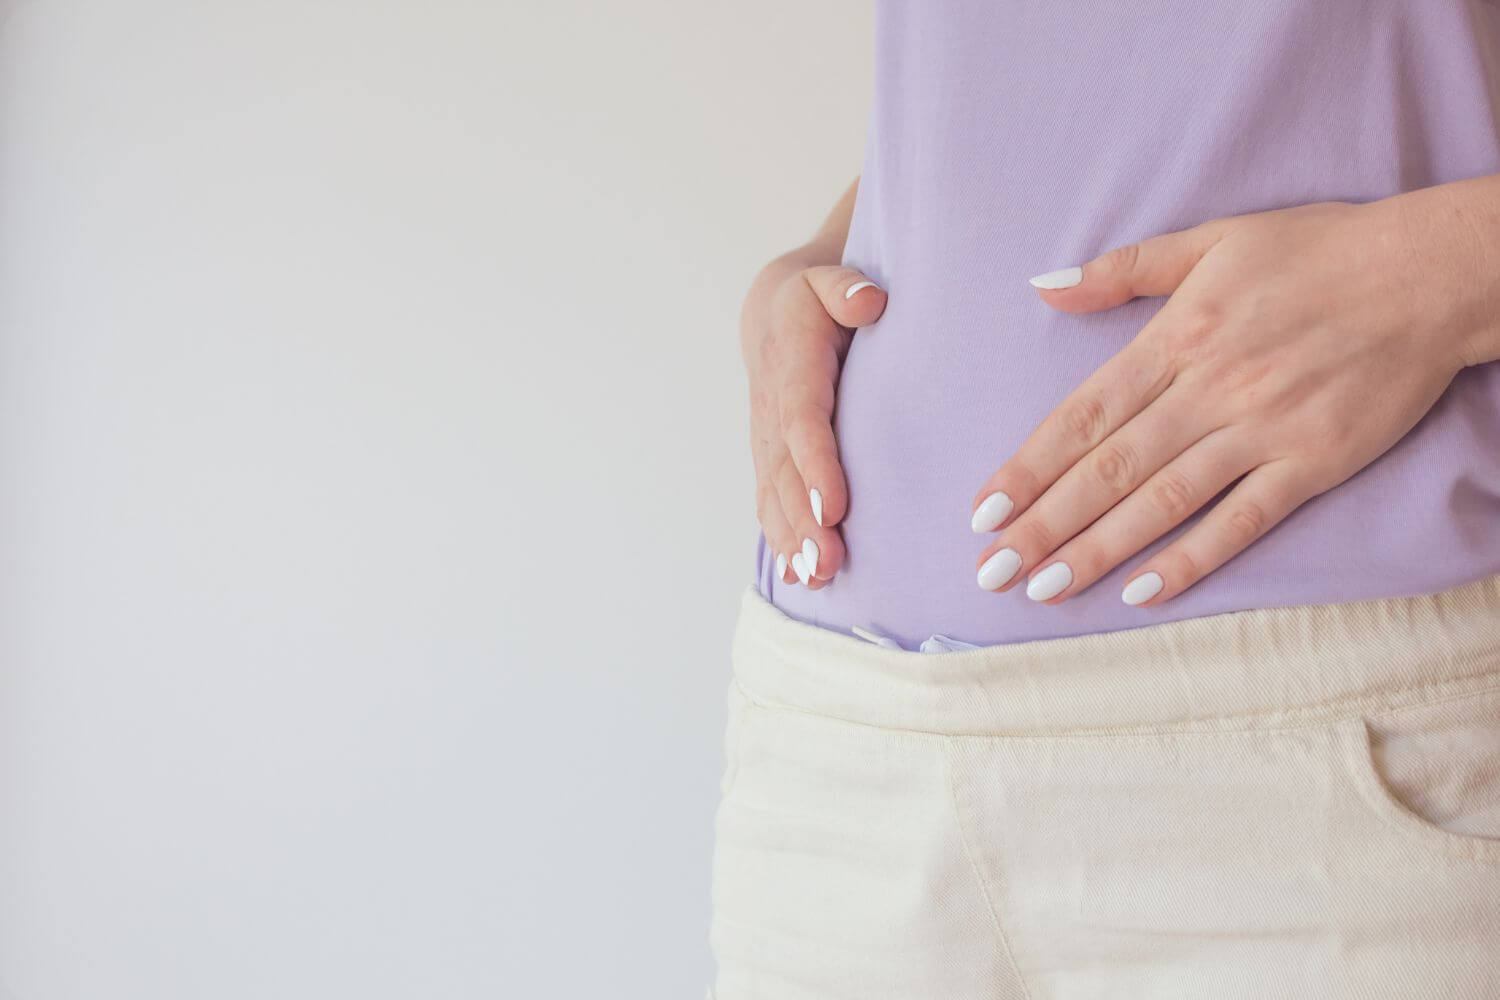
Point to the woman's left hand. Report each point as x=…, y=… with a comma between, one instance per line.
x=1296, y=347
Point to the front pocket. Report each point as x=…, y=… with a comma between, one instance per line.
x=1432, y=771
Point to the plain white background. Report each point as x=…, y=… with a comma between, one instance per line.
x=374, y=494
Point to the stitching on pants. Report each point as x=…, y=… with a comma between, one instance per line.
x=1354, y=750
x=779, y=647
x=984, y=890
x=1418, y=706
x=1309, y=717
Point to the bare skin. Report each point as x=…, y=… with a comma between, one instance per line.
x=1295, y=347
x=795, y=330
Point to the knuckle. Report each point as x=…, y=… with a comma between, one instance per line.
x=1197, y=322
x=1091, y=562
x=1246, y=522
x=1257, y=304
x=800, y=419
x=787, y=410
x=1342, y=430
x=788, y=298
x=1019, y=480
x=1181, y=568
x=1116, y=466
x=1242, y=379
x=794, y=402
x=798, y=322
x=1086, y=419
x=1123, y=261
x=1172, y=495
x=781, y=465
x=1033, y=535
x=765, y=496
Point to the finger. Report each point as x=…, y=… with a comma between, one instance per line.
x=1125, y=385
x=1260, y=501
x=763, y=442
x=851, y=298
x=808, y=361
x=1151, y=267
x=830, y=559
x=782, y=568
x=807, y=429
x=809, y=347
x=1107, y=475
x=1163, y=501
x=820, y=549
x=773, y=525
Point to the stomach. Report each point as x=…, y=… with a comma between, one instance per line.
x=1007, y=142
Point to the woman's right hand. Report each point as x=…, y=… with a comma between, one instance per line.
x=795, y=329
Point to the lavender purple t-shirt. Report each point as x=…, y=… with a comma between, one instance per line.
x=1010, y=138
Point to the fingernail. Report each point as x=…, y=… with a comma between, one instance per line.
x=874, y=637
x=1049, y=582
x=781, y=567
x=810, y=555
x=799, y=566
x=1142, y=588
x=816, y=499
x=855, y=288
x=998, y=568
x=1064, y=277
x=996, y=508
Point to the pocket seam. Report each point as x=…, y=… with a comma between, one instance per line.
x=1443, y=699
x=1359, y=762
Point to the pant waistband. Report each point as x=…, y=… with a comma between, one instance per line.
x=1245, y=668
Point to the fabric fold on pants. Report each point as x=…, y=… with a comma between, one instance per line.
x=1297, y=801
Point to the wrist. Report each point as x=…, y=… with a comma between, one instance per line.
x=1452, y=234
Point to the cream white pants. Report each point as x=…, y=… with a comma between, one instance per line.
x=1296, y=802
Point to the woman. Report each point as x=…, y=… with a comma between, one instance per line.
x=1221, y=717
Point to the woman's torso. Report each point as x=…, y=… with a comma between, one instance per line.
x=1009, y=138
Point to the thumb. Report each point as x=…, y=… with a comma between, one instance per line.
x=852, y=299
x=1152, y=267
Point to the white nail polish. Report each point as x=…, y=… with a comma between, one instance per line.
x=874, y=637
x=781, y=567
x=855, y=288
x=815, y=498
x=1050, y=582
x=1065, y=277
x=1142, y=588
x=799, y=566
x=996, y=508
x=999, y=568
x=810, y=555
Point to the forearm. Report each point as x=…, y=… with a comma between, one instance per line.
x=1451, y=234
